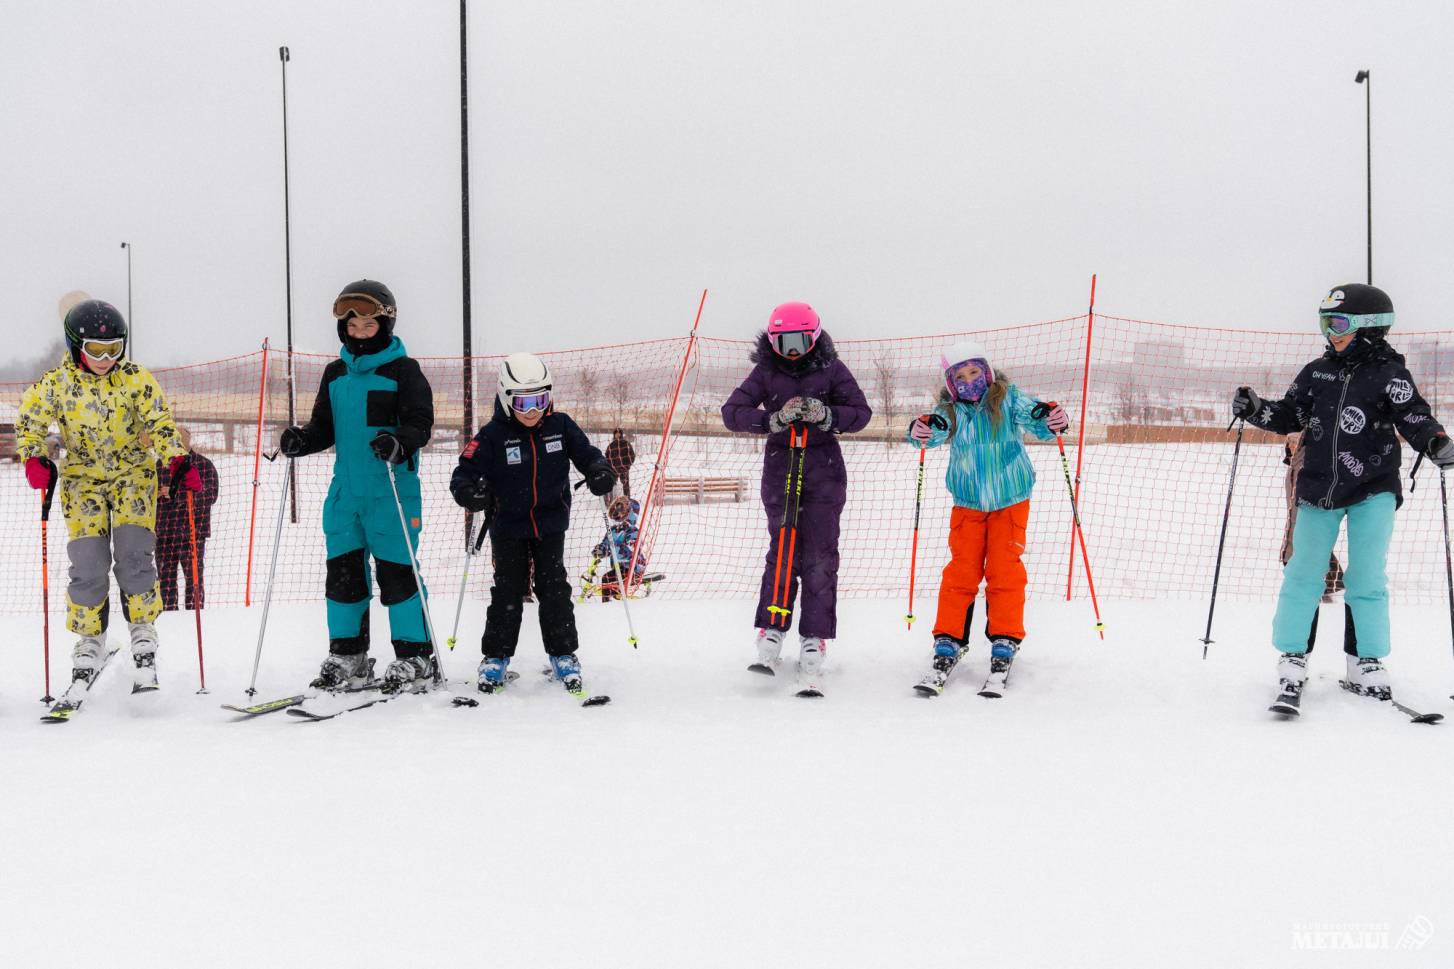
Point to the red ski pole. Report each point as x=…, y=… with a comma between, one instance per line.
x=196, y=590
x=45, y=501
x=797, y=448
x=934, y=420
x=1039, y=411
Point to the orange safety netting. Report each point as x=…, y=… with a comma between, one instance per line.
x=1154, y=471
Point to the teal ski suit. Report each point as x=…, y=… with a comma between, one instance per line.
x=360, y=398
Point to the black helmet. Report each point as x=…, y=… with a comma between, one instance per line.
x=1358, y=308
x=385, y=312
x=93, y=319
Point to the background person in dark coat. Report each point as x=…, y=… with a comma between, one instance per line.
x=174, y=534
x=620, y=455
x=799, y=380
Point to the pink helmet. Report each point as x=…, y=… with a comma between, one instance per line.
x=793, y=330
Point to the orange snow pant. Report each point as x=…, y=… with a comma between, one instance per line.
x=985, y=545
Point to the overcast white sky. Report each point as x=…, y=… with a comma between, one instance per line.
x=906, y=166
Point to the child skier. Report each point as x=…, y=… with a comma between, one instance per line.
x=984, y=416
x=801, y=396
x=516, y=470
x=375, y=409
x=103, y=405
x=621, y=536
x=1350, y=401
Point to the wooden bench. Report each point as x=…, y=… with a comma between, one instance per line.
x=7, y=443
x=701, y=488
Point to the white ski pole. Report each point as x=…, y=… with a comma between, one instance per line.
x=469, y=553
x=622, y=584
x=272, y=571
x=418, y=582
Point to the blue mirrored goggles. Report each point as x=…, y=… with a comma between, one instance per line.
x=525, y=403
x=1341, y=324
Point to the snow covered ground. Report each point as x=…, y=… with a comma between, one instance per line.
x=1127, y=805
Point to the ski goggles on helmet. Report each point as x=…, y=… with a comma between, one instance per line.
x=525, y=403
x=361, y=305
x=794, y=344
x=1341, y=324
x=967, y=390
x=104, y=349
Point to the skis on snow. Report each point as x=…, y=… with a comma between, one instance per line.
x=576, y=687
x=70, y=701
x=1288, y=704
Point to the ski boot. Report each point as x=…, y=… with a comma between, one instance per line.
x=144, y=653
x=812, y=651
x=1002, y=656
x=408, y=672
x=567, y=669
x=494, y=673
x=344, y=671
x=769, y=651
x=947, y=654
x=1292, y=674
x=87, y=658
x=1368, y=677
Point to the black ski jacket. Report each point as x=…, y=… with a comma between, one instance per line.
x=1350, y=407
x=527, y=470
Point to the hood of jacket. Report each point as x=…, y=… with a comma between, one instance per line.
x=370, y=362
x=821, y=357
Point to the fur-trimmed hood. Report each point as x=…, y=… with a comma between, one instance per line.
x=821, y=357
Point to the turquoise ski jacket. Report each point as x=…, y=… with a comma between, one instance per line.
x=989, y=468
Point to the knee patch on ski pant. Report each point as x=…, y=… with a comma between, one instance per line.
x=347, y=577
x=134, y=548
x=90, y=570
x=396, y=582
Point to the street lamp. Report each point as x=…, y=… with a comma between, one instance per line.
x=130, y=324
x=1367, y=76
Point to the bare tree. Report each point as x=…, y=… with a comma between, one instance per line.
x=887, y=384
x=619, y=393
x=588, y=390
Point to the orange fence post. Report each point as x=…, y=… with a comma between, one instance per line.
x=627, y=580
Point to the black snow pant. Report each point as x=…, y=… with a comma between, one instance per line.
x=513, y=558
x=172, y=557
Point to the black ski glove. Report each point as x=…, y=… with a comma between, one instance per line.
x=1441, y=451
x=387, y=448
x=600, y=479
x=475, y=496
x=292, y=442
x=1246, y=403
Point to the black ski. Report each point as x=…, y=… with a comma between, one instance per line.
x=283, y=703
x=764, y=668
x=578, y=690
x=1287, y=705
x=1413, y=715
x=70, y=701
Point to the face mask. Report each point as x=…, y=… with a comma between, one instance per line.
x=970, y=391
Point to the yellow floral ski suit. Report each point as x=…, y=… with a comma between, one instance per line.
x=108, y=481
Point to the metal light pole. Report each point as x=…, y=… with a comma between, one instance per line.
x=467, y=430
x=284, y=56
x=130, y=323
x=1366, y=79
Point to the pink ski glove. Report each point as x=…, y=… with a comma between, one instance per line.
x=920, y=430
x=1057, y=420
x=190, y=479
x=40, y=473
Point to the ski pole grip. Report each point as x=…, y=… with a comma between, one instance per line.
x=938, y=421
x=484, y=533
x=1040, y=409
x=50, y=493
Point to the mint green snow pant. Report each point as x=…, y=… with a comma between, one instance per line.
x=1370, y=528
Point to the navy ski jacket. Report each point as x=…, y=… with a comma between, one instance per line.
x=527, y=470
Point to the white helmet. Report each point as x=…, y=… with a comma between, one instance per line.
x=522, y=374
x=958, y=353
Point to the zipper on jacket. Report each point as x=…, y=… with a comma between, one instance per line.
x=534, y=484
x=1337, y=427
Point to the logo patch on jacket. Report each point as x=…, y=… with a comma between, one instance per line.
x=552, y=446
x=1400, y=391
x=470, y=449
x=512, y=455
x=1352, y=420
